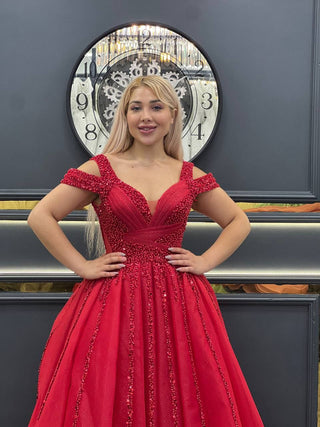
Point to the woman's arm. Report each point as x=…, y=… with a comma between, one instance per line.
x=44, y=220
x=218, y=206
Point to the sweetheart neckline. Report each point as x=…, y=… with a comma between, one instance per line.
x=139, y=192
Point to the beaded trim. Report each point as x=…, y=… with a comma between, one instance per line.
x=131, y=346
x=195, y=378
x=172, y=377
x=151, y=354
x=106, y=286
x=212, y=296
x=88, y=289
x=225, y=383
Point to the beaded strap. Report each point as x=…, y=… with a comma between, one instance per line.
x=105, y=168
x=204, y=183
x=83, y=180
x=199, y=185
x=186, y=172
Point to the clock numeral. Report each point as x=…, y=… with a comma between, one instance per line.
x=93, y=65
x=208, y=100
x=143, y=43
x=92, y=71
x=83, y=76
x=198, y=63
x=148, y=32
x=91, y=133
x=197, y=129
x=82, y=105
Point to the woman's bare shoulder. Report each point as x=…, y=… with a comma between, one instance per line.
x=90, y=167
x=197, y=173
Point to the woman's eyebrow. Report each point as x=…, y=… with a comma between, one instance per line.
x=139, y=102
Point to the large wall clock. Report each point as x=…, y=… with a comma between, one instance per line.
x=109, y=63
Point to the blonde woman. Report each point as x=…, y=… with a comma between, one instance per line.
x=141, y=342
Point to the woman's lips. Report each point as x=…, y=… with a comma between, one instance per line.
x=146, y=130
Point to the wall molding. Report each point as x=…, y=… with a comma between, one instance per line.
x=80, y=215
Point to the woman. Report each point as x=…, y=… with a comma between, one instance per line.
x=141, y=342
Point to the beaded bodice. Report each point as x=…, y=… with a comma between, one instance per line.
x=126, y=221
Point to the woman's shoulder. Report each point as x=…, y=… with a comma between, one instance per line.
x=196, y=172
x=176, y=162
x=91, y=167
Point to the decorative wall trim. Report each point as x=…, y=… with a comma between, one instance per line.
x=288, y=217
x=313, y=194
x=23, y=194
x=271, y=217
x=311, y=303
x=285, y=196
x=315, y=106
x=22, y=215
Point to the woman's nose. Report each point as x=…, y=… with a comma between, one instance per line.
x=146, y=116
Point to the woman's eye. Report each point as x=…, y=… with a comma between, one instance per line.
x=157, y=107
x=134, y=108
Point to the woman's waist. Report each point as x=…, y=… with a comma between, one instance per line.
x=151, y=252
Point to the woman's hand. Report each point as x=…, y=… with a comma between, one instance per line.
x=107, y=265
x=187, y=262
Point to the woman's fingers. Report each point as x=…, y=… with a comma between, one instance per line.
x=114, y=257
x=113, y=260
x=180, y=256
x=185, y=269
x=186, y=262
x=110, y=267
x=110, y=273
x=178, y=250
x=177, y=261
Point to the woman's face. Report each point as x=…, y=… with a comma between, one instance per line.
x=148, y=118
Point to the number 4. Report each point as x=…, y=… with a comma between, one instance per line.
x=197, y=129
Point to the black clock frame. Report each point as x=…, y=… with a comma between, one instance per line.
x=151, y=23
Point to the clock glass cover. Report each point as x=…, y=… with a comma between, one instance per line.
x=110, y=63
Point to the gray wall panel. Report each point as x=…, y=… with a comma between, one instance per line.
x=263, y=51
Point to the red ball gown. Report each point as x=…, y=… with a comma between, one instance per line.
x=149, y=346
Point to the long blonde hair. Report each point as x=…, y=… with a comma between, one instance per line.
x=120, y=139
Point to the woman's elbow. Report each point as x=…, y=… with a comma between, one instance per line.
x=246, y=226
x=32, y=218
x=36, y=217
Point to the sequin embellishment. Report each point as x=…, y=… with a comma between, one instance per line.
x=146, y=314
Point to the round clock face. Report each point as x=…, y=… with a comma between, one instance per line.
x=116, y=58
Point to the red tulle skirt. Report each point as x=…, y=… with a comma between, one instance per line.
x=138, y=351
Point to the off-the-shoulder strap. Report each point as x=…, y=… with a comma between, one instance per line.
x=105, y=168
x=186, y=172
x=204, y=183
x=199, y=185
x=83, y=180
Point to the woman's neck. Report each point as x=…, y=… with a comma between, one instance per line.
x=146, y=154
